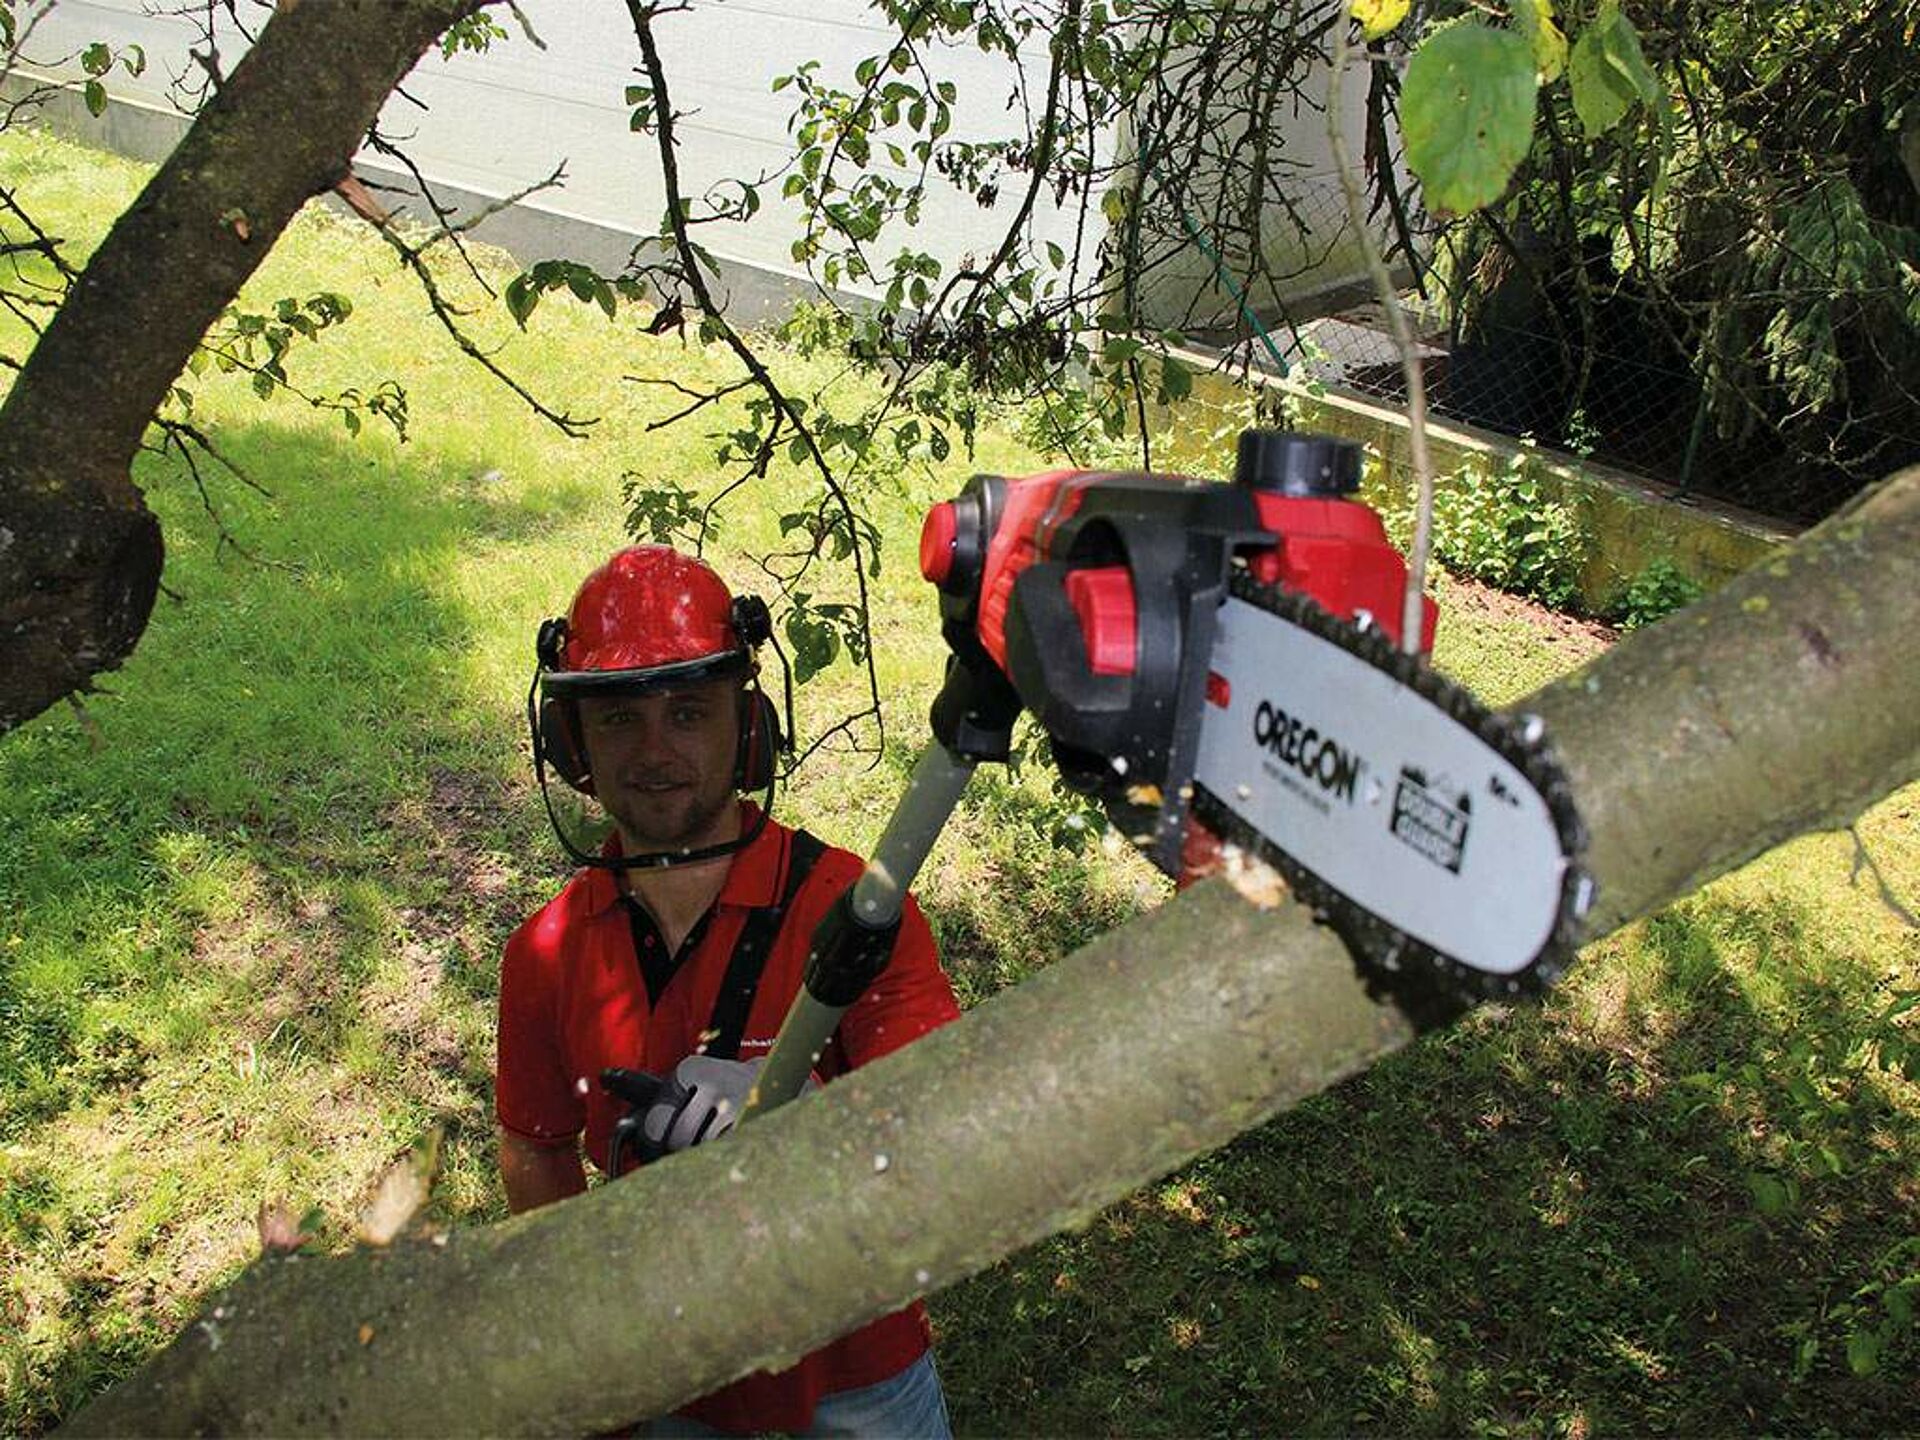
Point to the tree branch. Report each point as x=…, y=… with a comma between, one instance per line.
x=80, y=553
x=692, y=276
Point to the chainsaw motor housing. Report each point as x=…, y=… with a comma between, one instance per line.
x=1090, y=597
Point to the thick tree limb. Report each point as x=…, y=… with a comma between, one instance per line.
x=80, y=553
x=1786, y=701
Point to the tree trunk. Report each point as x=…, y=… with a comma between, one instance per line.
x=80, y=553
x=1788, y=700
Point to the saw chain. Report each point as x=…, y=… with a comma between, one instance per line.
x=1416, y=973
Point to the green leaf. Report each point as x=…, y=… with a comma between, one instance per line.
x=1863, y=1352
x=1770, y=1196
x=1899, y=1304
x=1377, y=17
x=1534, y=19
x=1596, y=100
x=814, y=642
x=521, y=297
x=1804, y=1357
x=1629, y=61
x=1609, y=72
x=1466, y=110
x=96, y=96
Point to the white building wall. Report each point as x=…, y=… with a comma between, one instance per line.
x=496, y=122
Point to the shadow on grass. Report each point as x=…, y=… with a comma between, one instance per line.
x=1520, y=1226
x=248, y=946
x=250, y=927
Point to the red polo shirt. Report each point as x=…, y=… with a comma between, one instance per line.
x=573, y=1002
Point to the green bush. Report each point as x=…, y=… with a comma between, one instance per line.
x=1653, y=594
x=1506, y=526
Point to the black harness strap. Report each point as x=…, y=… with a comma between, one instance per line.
x=750, y=953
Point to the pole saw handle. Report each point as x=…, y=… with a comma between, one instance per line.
x=854, y=940
x=640, y=1091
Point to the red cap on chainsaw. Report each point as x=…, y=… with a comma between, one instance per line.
x=649, y=619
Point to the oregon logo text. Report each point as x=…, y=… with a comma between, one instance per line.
x=1319, y=757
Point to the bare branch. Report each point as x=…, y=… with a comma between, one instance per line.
x=569, y=425
x=693, y=277
x=1411, y=613
x=700, y=398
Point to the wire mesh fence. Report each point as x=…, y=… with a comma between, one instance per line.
x=1581, y=358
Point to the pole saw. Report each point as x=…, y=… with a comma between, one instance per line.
x=1219, y=665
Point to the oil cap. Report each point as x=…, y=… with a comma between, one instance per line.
x=1285, y=462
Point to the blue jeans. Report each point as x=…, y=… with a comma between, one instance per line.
x=907, y=1406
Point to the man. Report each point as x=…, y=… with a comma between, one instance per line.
x=646, y=962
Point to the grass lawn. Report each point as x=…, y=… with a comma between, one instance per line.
x=251, y=908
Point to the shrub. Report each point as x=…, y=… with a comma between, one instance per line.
x=1653, y=594
x=1507, y=527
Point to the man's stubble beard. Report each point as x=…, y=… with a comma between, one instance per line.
x=642, y=825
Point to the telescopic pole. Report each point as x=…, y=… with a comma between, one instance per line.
x=853, y=942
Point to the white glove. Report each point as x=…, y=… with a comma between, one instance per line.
x=701, y=1099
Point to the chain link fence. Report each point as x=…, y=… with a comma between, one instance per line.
x=1582, y=361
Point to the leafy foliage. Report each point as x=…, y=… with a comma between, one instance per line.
x=1608, y=73
x=1467, y=113
x=1506, y=525
x=1658, y=590
x=97, y=61
x=257, y=344
x=1711, y=254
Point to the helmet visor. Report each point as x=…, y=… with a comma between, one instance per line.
x=578, y=684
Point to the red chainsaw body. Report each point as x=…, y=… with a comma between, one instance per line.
x=1333, y=550
x=1093, y=595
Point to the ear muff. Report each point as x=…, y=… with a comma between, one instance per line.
x=759, y=739
x=556, y=724
x=560, y=743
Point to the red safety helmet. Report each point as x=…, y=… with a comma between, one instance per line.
x=650, y=618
